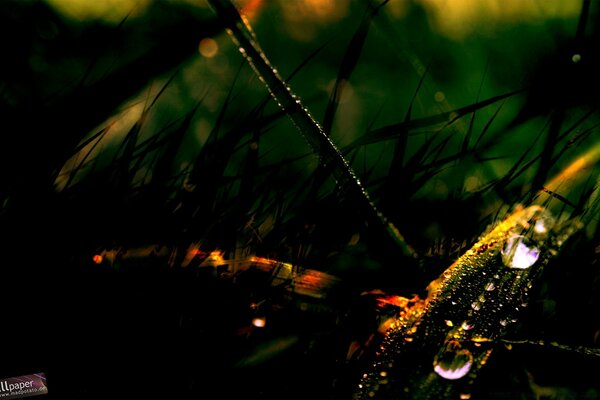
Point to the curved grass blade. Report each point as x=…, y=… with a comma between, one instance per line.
x=393, y=131
x=436, y=347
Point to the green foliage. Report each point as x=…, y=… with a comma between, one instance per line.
x=126, y=135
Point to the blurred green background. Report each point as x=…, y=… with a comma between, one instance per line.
x=134, y=123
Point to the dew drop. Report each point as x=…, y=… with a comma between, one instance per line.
x=452, y=362
x=503, y=322
x=465, y=396
x=576, y=58
x=519, y=253
x=476, y=306
x=543, y=223
x=490, y=286
x=466, y=326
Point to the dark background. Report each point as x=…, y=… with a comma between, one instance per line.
x=119, y=130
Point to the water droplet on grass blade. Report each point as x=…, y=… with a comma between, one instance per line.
x=452, y=362
x=519, y=253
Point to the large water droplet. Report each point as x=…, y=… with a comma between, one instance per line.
x=519, y=253
x=452, y=362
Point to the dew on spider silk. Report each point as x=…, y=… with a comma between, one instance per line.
x=476, y=305
x=466, y=325
x=519, y=253
x=453, y=362
x=490, y=286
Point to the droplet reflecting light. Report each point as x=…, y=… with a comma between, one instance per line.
x=543, y=223
x=259, y=322
x=453, y=362
x=519, y=253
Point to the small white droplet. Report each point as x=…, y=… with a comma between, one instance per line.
x=576, y=58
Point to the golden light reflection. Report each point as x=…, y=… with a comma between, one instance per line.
x=208, y=47
x=459, y=18
x=302, y=18
x=397, y=301
x=251, y=8
x=109, y=11
x=571, y=175
x=214, y=259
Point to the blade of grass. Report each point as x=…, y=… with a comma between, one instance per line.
x=347, y=66
x=308, y=127
x=403, y=128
